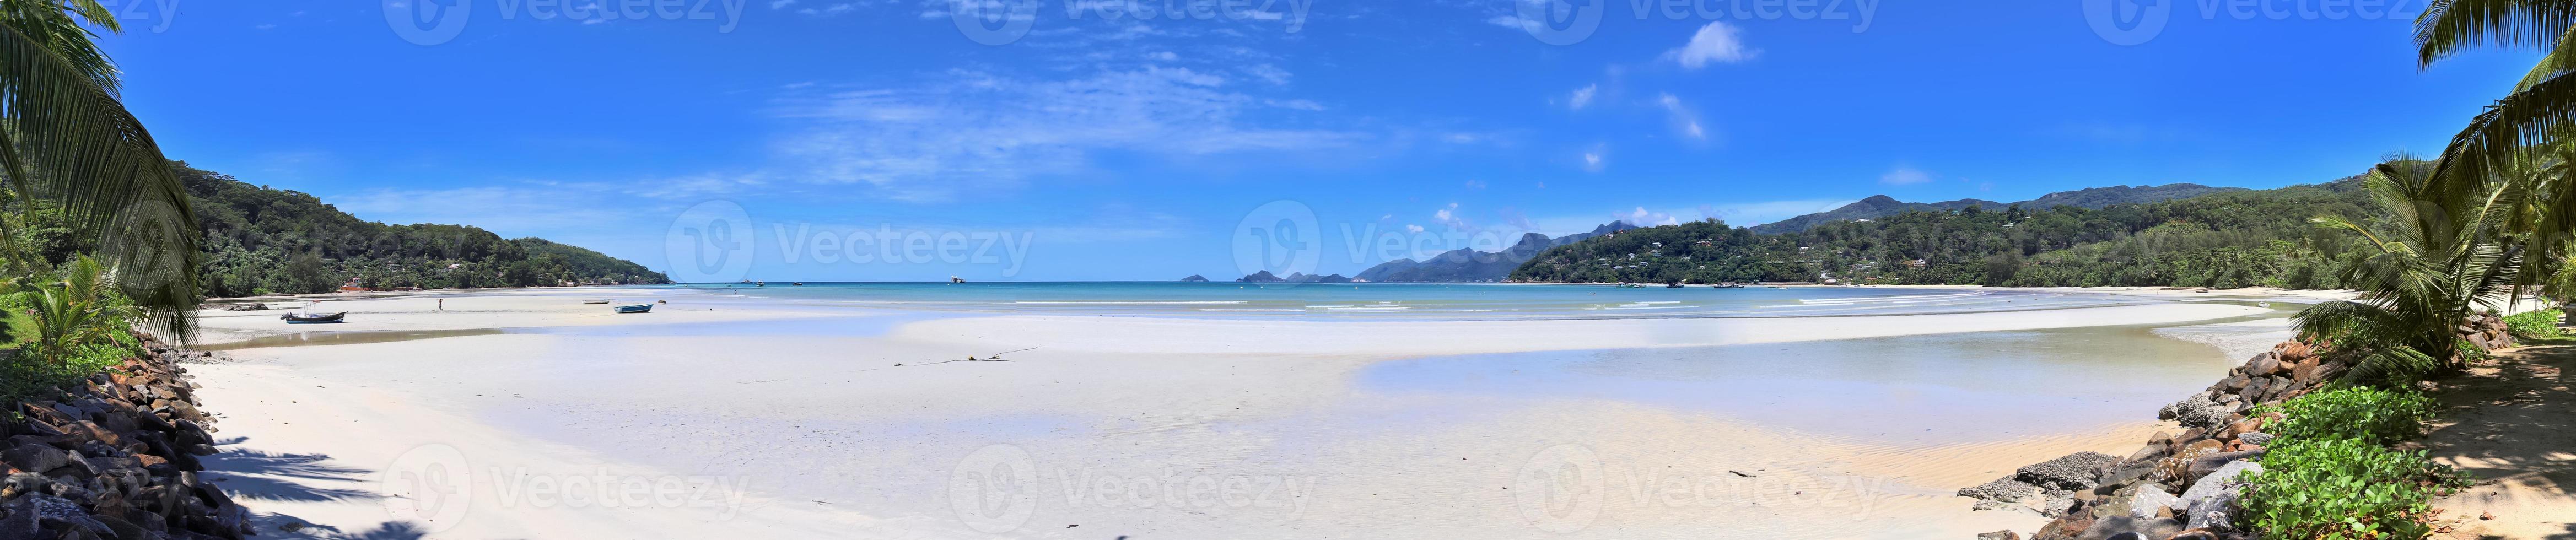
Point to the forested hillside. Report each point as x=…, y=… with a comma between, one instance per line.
x=261, y=240
x=2224, y=239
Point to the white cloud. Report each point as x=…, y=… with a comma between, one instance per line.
x=1594, y=159
x=969, y=130
x=1684, y=119
x=1643, y=217
x=781, y=4
x=1717, y=42
x=1582, y=96
x=1904, y=176
x=1417, y=229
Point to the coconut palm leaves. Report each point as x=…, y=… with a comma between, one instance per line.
x=64, y=136
x=2431, y=259
x=76, y=311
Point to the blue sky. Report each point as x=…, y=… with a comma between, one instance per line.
x=1101, y=148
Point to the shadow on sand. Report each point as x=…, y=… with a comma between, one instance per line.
x=255, y=476
x=2513, y=424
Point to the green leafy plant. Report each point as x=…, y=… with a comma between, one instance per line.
x=2432, y=259
x=2541, y=324
x=2338, y=489
x=2370, y=415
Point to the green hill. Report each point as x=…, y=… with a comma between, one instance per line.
x=2230, y=238
x=261, y=240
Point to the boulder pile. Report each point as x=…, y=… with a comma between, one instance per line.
x=2176, y=486
x=2181, y=486
x=114, y=458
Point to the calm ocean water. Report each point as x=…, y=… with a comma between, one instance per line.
x=1408, y=300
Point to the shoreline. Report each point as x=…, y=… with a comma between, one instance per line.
x=1188, y=390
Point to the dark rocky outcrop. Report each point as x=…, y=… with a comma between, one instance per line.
x=1195, y=278
x=115, y=458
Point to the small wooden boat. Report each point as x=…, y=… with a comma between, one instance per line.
x=594, y=302
x=796, y=284
x=638, y=308
x=313, y=318
x=952, y=280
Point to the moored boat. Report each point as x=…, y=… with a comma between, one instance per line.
x=638, y=308
x=307, y=317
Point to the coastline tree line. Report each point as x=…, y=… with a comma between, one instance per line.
x=2228, y=239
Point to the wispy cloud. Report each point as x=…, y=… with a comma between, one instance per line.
x=969, y=130
x=1683, y=118
x=1718, y=42
x=1905, y=176
x=1582, y=96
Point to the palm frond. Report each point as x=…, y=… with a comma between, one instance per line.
x=70, y=140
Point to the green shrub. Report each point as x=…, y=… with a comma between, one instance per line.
x=24, y=378
x=2338, y=489
x=2370, y=415
x=2542, y=324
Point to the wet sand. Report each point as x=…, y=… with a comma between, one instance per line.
x=1175, y=428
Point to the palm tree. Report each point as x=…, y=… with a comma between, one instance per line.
x=65, y=137
x=74, y=311
x=2431, y=260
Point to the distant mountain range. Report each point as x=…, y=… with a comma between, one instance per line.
x=1468, y=265
x=2092, y=198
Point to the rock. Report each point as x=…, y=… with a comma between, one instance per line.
x=2223, y=480
x=2124, y=527
x=2195, y=534
x=2000, y=535
x=2200, y=412
x=2217, y=511
x=2151, y=502
x=2263, y=365
x=2125, y=474
x=2254, y=438
x=33, y=458
x=2150, y=452
x=2077, y=471
x=56, y=512
x=2063, y=529
x=2004, y=489
x=2209, y=465
x=2179, y=466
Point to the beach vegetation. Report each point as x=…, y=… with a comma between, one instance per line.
x=2339, y=489
x=64, y=329
x=2539, y=324
x=2375, y=415
x=2429, y=257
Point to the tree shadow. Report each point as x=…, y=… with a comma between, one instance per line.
x=256, y=475
x=2512, y=424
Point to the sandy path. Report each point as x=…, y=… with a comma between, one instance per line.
x=2510, y=425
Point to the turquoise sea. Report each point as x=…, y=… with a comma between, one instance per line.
x=1409, y=301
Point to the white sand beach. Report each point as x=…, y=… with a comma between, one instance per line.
x=527, y=414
